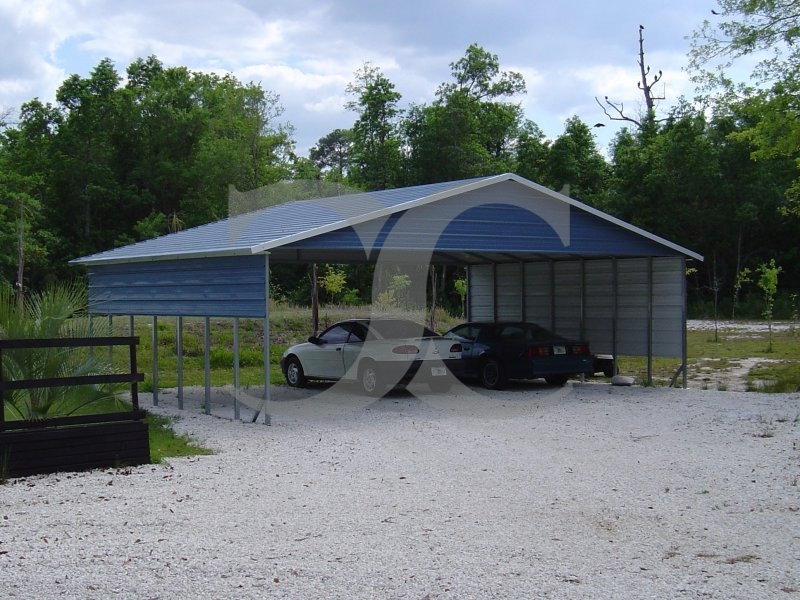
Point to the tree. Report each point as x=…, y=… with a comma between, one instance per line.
x=333, y=281
x=469, y=130
x=575, y=161
x=24, y=178
x=768, y=282
x=741, y=28
x=616, y=110
x=692, y=181
x=157, y=154
x=532, y=153
x=331, y=155
x=88, y=190
x=767, y=30
x=375, y=158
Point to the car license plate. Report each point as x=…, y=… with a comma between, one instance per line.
x=438, y=371
x=559, y=350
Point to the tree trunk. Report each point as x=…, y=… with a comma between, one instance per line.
x=314, y=300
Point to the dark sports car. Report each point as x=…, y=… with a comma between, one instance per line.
x=497, y=352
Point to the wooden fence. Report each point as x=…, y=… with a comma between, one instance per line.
x=73, y=443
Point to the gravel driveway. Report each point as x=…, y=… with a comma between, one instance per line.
x=590, y=491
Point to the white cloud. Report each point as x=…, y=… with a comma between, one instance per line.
x=307, y=51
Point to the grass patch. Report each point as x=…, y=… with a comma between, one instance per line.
x=165, y=443
x=782, y=377
x=736, y=344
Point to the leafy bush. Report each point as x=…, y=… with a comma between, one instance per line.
x=56, y=312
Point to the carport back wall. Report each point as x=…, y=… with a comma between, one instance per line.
x=629, y=306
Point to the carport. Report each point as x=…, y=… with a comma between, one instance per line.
x=531, y=253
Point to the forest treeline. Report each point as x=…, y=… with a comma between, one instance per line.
x=122, y=157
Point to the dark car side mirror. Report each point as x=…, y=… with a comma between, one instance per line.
x=314, y=340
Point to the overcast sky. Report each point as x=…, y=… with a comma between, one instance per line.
x=306, y=51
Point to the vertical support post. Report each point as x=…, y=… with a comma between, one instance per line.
x=583, y=307
x=524, y=292
x=494, y=291
x=130, y=324
x=265, y=403
x=685, y=343
x=583, y=299
x=134, y=383
x=267, y=383
x=2, y=396
x=615, y=311
x=111, y=333
x=236, y=416
x=207, y=365
x=552, y=295
x=91, y=334
x=179, y=352
x=154, y=353
x=267, y=392
x=467, y=297
x=650, y=320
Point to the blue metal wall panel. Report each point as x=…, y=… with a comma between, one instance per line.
x=495, y=227
x=220, y=287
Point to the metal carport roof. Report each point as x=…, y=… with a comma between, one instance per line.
x=338, y=225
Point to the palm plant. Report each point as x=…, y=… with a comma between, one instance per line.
x=56, y=312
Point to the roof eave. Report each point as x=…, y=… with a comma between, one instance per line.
x=98, y=260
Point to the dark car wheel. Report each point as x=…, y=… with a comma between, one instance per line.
x=293, y=371
x=556, y=379
x=492, y=377
x=370, y=380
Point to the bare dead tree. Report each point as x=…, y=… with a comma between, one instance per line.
x=616, y=110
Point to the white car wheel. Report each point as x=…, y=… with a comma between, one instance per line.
x=371, y=380
x=293, y=372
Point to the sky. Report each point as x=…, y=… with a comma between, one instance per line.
x=307, y=51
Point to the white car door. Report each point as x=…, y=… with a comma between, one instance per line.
x=325, y=358
x=353, y=348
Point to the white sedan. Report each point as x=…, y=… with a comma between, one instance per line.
x=375, y=352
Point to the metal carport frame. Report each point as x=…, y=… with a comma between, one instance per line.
x=580, y=268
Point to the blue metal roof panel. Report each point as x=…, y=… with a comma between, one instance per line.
x=257, y=231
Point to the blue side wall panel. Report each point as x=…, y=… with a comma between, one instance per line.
x=233, y=286
x=497, y=227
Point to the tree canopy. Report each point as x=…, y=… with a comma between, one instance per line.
x=119, y=159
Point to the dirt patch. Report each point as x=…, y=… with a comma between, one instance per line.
x=729, y=374
x=706, y=373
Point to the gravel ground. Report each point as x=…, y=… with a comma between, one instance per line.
x=589, y=491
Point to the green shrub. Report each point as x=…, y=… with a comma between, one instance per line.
x=57, y=312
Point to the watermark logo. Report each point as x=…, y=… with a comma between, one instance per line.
x=400, y=234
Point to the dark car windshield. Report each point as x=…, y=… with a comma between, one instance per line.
x=399, y=329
